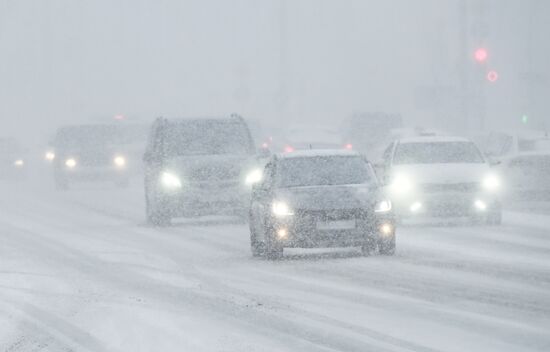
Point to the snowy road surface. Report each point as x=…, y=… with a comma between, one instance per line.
x=80, y=271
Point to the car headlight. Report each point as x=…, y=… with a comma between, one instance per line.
x=170, y=180
x=491, y=183
x=70, y=163
x=49, y=156
x=19, y=163
x=281, y=209
x=401, y=184
x=253, y=176
x=119, y=161
x=382, y=206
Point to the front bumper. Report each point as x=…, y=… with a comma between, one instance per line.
x=95, y=173
x=312, y=230
x=206, y=199
x=449, y=204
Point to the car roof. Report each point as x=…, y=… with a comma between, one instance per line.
x=311, y=153
x=433, y=139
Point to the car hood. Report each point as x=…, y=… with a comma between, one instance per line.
x=329, y=197
x=204, y=168
x=443, y=173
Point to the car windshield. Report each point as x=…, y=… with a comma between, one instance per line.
x=325, y=170
x=437, y=153
x=207, y=138
x=89, y=136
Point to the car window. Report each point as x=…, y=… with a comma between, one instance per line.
x=324, y=170
x=437, y=153
x=208, y=138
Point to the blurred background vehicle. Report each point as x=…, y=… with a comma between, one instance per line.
x=13, y=161
x=199, y=167
x=370, y=132
x=310, y=136
x=95, y=153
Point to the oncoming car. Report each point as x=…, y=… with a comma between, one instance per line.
x=203, y=166
x=319, y=198
x=90, y=153
x=441, y=177
x=12, y=161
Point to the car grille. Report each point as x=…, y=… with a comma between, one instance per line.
x=451, y=187
x=215, y=173
x=335, y=214
x=98, y=159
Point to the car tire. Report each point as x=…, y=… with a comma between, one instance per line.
x=387, y=247
x=368, y=248
x=256, y=247
x=156, y=217
x=273, y=250
x=61, y=183
x=122, y=183
x=494, y=218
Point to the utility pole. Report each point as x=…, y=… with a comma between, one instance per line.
x=282, y=94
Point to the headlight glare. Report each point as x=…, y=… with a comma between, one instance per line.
x=254, y=176
x=281, y=209
x=491, y=183
x=119, y=161
x=19, y=163
x=49, y=156
x=401, y=184
x=70, y=163
x=382, y=206
x=170, y=180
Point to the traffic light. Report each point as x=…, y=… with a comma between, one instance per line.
x=492, y=76
x=481, y=55
x=524, y=119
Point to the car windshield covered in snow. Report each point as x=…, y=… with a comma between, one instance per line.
x=89, y=136
x=325, y=170
x=9, y=147
x=208, y=137
x=437, y=153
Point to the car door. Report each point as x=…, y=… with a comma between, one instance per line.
x=261, y=200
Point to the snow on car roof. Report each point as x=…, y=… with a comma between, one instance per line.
x=433, y=139
x=310, y=153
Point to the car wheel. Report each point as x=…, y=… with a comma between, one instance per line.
x=256, y=246
x=387, y=247
x=156, y=216
x=61, y=183
x=122, y=183
x=273, y=250
x=494, y=218
x=368, y=248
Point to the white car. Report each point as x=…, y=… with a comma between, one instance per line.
x=527, y=174
x=441, y=177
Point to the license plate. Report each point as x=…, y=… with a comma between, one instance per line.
x=336, y=225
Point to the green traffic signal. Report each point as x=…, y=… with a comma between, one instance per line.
x=525, y=119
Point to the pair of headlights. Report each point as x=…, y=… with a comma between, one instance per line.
x=403, y=184
x=118, y=161
x=172, y=181
x=282, y=209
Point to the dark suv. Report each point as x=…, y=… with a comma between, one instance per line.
x=199, y=167
x=319, y=198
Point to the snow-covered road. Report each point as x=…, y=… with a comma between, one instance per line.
x=80, y=271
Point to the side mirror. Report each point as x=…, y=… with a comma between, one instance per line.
x=494, y=162
x=263, y=153
x=149, y=157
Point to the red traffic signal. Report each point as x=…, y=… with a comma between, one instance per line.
x=492, y=76
x=481, y=55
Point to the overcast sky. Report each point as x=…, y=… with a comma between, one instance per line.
x=302, y=60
